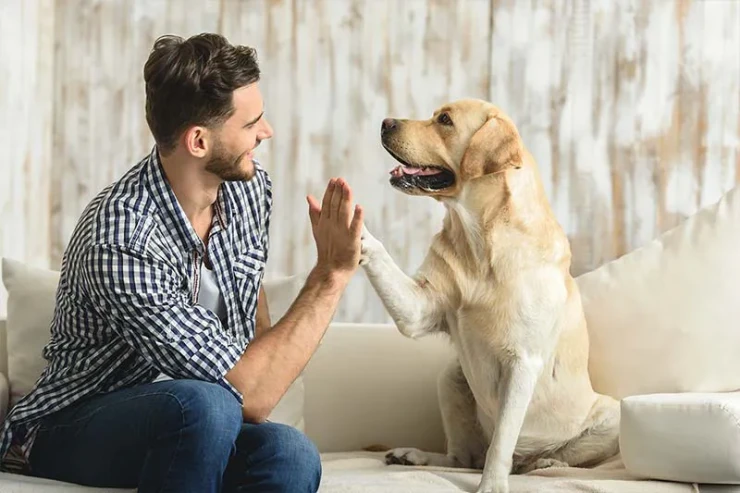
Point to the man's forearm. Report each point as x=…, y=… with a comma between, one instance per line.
x=274, y=359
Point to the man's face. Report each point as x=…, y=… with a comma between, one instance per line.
x=234, y=142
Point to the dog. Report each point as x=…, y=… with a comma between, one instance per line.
x=517, y=396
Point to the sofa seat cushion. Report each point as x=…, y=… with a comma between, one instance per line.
x=14, y=483
x=682, y=437
x=365, y=472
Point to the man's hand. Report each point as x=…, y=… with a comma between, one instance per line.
x=337, y=228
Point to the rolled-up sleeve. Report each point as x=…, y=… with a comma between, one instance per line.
x=143, y=300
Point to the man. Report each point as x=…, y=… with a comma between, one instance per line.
x=163, y=366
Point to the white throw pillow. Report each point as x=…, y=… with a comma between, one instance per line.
x=280, y=293
x=31, y=301
x=689, y=437
x=666, y=318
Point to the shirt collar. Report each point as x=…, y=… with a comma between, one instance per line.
x=175, y=218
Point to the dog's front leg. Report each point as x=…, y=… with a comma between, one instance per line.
x=518, y=381
x=410, y=305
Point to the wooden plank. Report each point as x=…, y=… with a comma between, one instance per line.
x=26, y=76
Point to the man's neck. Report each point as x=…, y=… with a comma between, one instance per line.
x=195, y=189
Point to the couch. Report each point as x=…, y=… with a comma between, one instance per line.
x=664, y=322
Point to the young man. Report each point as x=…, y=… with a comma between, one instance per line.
x=163, y=364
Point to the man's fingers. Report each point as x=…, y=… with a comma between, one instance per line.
x=326, y=204
x=314, y=210
x=336, y=197
x=345, y=206
x=357, y=222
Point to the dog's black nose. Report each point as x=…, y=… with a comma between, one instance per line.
x=388, y=125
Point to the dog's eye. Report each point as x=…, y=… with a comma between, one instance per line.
x=444, y=119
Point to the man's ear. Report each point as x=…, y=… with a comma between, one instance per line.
x=495, y=147
x=196, y=141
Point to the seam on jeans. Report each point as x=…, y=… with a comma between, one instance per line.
x=98, y=409
x=177, y=448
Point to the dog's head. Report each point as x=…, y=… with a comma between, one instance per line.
x=461, y=142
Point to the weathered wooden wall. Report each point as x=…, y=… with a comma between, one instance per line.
x=632, y=109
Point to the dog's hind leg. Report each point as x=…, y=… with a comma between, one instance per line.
x=599, y=440
x=465, y=439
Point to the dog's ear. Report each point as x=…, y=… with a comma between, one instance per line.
x=495, y=147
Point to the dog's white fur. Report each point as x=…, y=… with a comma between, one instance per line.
x=496, y=278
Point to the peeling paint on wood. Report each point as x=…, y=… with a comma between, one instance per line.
x=631, y=108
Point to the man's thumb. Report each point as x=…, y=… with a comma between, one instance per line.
x=314, y=210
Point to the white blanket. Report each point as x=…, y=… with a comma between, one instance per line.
x=365, y=472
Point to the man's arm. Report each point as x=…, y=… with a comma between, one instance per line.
x=275, y=358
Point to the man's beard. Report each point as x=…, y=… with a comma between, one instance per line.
x=228, y=166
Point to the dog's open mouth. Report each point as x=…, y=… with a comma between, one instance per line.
x=428, y=178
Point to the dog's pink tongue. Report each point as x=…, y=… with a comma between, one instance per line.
x=420, y=171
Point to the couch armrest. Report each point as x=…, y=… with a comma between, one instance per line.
x=3, y=347
x=688, y=437
x=369, y=385
x=4, y=385
x=4, y=397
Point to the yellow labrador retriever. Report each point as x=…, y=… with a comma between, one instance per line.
x=496, y=278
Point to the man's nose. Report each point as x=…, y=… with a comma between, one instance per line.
x=266, y=131
x=388, y=125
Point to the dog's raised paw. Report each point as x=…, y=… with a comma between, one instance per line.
x=369, y=246
x=406, y=457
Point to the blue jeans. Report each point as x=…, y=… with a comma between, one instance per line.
x=173, y=436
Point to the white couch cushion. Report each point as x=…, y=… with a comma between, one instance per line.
x=666, y=318
x=31, y=300
x=691, y=437
x=369, y=385
x=31, y=297
x=280, y=293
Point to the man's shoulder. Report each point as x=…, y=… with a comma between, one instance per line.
x=122, y=214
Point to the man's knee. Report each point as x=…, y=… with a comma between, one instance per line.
x=291, y=456
x=205, y=412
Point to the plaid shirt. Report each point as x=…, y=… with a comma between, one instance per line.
x=126, y=303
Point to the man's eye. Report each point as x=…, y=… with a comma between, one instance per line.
x=444, y=119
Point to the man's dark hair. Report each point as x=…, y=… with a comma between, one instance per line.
x=191, y=81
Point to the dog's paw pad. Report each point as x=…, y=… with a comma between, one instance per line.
x=406, y=457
